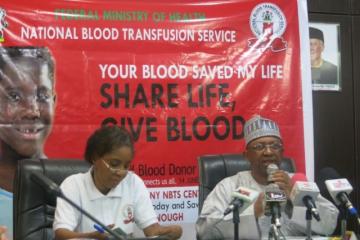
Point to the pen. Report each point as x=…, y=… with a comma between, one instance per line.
x=99, y=228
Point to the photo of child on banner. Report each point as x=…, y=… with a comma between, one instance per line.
x=27, y=103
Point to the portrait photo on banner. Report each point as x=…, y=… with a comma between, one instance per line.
x=27, y=104
x=325, y=56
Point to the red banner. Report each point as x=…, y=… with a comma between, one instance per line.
x=183, y=77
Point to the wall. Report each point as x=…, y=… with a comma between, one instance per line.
x=337, y=114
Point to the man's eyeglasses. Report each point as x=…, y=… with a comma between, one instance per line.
x=119, y=170
x=259, y=147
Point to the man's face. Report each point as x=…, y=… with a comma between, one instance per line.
x=112, y=167
x=316, y=49
x=26, y=105
x=264, y=151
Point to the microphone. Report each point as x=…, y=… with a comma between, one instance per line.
x=270, y=170
x=303, y=193
x=339, y=190
x=52, y=188
x=326, y=174
x=273, y=198
x=46, y=184
x=242, y=198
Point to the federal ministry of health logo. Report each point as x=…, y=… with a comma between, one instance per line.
x=268, y=24
x=3, y=24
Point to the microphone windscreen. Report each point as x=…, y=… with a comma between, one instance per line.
x=46, y=183
x=327, y=173
x=271, y=168
x=298, y=177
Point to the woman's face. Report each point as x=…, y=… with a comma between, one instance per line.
x=27, y=102
x=110, y=169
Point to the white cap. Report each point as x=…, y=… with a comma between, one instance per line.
x=258, y=126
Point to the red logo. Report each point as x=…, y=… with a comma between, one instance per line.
x=129, y=216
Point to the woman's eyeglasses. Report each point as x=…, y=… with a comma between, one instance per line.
x=119, y=170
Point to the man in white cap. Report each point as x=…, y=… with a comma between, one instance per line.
x=264, y=146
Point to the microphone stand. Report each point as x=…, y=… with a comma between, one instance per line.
x=52, y=188
x=275, y=232
x=115, y=235
x=344, y=216
x=238, y=203
x=308, y=224
x=236, y=221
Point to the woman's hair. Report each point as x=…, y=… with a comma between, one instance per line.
x=43, y=54
x=105, y=140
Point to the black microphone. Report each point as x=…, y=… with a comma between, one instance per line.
x=338, y=188
x=303, y=193
x=310, y=204
x=270, y=170
x=273, y=196
x=52, y=188
x=326, y=174
x=236, y=202
x=46, y=184
x=242, y=198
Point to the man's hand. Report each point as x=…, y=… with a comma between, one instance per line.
x=282, y=179
x=259, y=205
